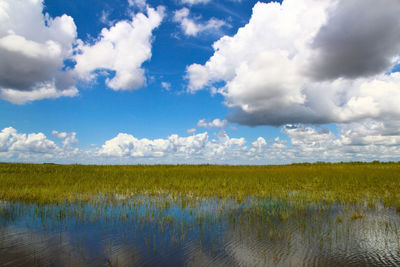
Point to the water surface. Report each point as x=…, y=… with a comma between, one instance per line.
x=161, y=231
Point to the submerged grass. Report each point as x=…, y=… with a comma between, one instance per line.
x=361, y=183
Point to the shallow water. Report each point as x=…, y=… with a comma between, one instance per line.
x=151, y=231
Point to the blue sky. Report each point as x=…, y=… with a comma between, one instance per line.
x=231, y=81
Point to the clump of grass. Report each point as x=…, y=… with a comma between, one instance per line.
x=346, y=183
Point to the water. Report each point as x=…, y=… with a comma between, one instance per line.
x=161, y=231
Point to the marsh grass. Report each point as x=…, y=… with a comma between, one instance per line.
x=346, y=183
x=316, y=205
x=273, y=229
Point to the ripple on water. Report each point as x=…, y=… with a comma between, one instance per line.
x=209, y=234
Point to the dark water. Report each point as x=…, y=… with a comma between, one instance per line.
x=176, y=232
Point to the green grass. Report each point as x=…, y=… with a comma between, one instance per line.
x=339, y=182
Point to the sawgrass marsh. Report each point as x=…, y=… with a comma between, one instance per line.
x=339, y=214
x=319, y=182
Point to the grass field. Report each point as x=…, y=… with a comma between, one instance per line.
x=360, y=183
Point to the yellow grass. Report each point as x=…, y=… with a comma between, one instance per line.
x=332, y=183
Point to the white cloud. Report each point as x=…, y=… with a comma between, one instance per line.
x=166, y=86
x=197, y=147
x=258, y=145
x=139, y=3
x=195, y=2
x=36, y=147
x=33, y=48
x=366, y=141
x=202, y=123
x=69, y=139
x=216, y=123
x=127, y=145
x=371, y=133
x=13, y=143
x=308, y=137
x=105, y=18
x=41, y=92
x=275, y=70
x=123, y=48
x=192, y=27
x=58, y=134
x=191, y=130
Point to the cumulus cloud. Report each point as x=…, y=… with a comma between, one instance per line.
x=309, y=142
x=121, y=49
x=13, y=143
x=216, y=123
x=127, y=145
x=196, y=147
x=367, y=140
x=308, y=61
x=192, y=27
x=362, y=141
x=69, y=139
x=33, y=47
x=36, y=147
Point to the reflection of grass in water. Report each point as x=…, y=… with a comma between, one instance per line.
x=277, y=205
x=198, y=216
x=342, y=182
x=266, y=226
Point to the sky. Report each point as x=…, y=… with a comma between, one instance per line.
x=199, y=81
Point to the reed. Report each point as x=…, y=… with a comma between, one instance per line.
x=345, y=183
